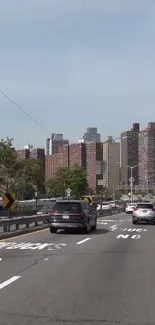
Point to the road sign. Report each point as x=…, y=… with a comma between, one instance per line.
x=9, y=201
x=68, y=192
x=100, y=182
x=88, y=200
x=131, y=179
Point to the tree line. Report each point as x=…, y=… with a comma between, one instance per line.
x=27, y=176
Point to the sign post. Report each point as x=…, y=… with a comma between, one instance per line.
x=9, y=202
x=68, y=192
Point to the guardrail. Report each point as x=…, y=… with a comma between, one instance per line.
x=21, y=225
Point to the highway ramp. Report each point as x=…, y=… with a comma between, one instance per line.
x=106, y=277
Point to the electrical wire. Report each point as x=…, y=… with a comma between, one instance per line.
x=24, y=112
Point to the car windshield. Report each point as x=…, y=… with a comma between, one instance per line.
x=72, y=207
x=46, y=208
x=145, y=206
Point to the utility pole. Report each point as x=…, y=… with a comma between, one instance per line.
x=113, y=194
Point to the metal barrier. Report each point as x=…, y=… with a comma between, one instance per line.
x=20, y=223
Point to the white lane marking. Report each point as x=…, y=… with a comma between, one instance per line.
x=83, y=241
x=0, y=259
x=46, y=259
x=9, y=281
x=113, y=228
x=128, y=236
x=31, y=246
x=134, y=229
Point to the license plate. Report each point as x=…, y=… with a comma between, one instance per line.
x=144, y=211
x=65, y=217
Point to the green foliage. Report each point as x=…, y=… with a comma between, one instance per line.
x=21, y=176
x=26, y=191
x=73, y=178
x=10, y=167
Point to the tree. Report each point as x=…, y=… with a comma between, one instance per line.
x=78, y=182
x=33, y=174
x=73, y=178
x=26, y=191
x=10, y=167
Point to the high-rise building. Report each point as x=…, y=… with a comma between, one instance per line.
x=53, y=164
x=77, y=155
x=129, y=155
x=147, y=156
x=111, y=167
x=54, y=143
x=92, y=135
x=94, y=162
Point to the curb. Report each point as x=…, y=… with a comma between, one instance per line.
x=22, y=232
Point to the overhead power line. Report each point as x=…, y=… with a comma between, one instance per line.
x=24, y=112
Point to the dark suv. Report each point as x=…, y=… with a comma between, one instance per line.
x=73, y=214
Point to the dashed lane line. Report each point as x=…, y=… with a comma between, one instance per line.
x=83, y=241
x=9, y=281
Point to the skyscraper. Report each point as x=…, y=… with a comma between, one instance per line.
x=54, y=143
x=147, y=156
x=129, y=154
x=92, y=135
x=111, y=167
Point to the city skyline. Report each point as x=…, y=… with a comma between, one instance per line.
x=68, y=64
x=107, y=164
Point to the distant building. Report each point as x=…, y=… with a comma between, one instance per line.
x=94, y=162
x=77, y=155
x=147, y=156
x=90, y=135
x=111, y=167
x=53, y=164
x=129, y=154
x=54, y=143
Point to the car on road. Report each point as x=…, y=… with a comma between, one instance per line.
x=144, y=211
x=130, y=207
x=73, y=214
x=46, y=209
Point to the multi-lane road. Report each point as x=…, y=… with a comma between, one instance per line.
x=107, y=277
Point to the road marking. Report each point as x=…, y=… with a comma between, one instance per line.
x=28, y=234
x=128, y=236
x=113, y=228
x=0, y=259
x=83, y=241
x=7, y=282
x=30, y=246
x=134, y=229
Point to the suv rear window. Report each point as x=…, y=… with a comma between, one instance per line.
x=68, y=207
x=144, y=206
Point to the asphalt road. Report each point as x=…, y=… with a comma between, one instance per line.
x=107, y=277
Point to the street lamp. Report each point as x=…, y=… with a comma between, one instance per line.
x=131, y=179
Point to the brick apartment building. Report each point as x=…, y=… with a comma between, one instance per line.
x=129, y=154
x=87, y=155
x=147, y=156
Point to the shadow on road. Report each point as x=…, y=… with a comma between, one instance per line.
x=100, y=231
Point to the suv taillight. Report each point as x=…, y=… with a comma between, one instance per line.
x=135, y=209
x=153, y=209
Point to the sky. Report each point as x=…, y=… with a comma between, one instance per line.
x=72, y=64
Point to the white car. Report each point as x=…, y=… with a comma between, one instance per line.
x=130, y=207
x=105, y=206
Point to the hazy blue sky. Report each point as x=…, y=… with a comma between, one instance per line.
x=73, y=64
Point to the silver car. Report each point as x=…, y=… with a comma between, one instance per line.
x=144, y=211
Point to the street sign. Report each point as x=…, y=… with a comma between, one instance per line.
x=100, y=182
x=68, y=192
x=88, y=200
x=9, y=201
x=131, y=179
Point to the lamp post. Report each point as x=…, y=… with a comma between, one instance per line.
x=131, y=178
